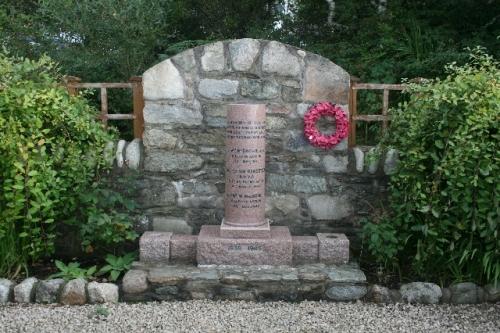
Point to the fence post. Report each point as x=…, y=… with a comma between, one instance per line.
x=104, y=106
x=138, y=100
x=353, y=101
x=69, y=81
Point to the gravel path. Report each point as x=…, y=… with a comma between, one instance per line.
x=207, y=316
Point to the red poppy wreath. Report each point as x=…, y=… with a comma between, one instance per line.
x=311, y=131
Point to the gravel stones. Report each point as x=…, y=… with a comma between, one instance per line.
x=73, y=293
x=24, y=292
x=6, y=288
x=421, y=292
x=102, y=292
x=47, y=291
x=135, y=281
x=243, y=316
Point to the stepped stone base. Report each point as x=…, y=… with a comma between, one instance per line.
x=210, y=248
x=249, y=283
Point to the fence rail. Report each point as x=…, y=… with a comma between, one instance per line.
x=73, y=84
x=353, y=106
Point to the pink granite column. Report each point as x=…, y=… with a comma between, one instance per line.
x=245, y=166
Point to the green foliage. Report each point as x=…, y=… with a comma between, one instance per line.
x=101, y=311
x=51, y=148
x=73, y=271
x=445, y=220
x=104, y=216
x=117, y=265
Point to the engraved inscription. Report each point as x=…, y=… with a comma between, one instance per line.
x=246, y=247
x=245, y=165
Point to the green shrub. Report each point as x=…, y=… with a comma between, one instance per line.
x=103, y=218
x=116, y=266
x=73, y=271
x=51, y=148
x=444, y=223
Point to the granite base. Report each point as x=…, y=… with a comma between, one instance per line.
x=213, y=249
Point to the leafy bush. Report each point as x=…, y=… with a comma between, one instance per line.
x=445, y=222
x=73, y=271
x=103, y=218
x=117, y=265
x=52, y=147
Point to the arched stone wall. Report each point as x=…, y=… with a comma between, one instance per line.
x=186, y=98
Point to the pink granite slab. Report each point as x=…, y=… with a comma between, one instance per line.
x=333, y=248
x=229, y=231
x=212, y=249
x=183, y=248
x=245, y=194
x=305, y=249
x=154, y=247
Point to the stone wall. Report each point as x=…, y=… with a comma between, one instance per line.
x=186, y=99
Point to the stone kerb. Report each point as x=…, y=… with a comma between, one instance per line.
x=186, y=101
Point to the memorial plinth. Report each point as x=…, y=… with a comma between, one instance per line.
x=245, y=194
x=244, y=236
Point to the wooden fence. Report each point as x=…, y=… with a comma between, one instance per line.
x=353, y=106
x=135, y=83
x=74, y=83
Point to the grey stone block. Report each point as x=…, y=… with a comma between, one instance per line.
x=213, y=57
x=163, y=81
x=102, y=293
x=259, y=89
x=335, y=163
x=24, y=292
x=74, y=292
x=344, y=293
x=243, y=53
x=166, y=161
x=135, y=281
x=216, y=89
x=171, y=224
x=465, y=293
x=421, y=292
x=172, y=115
x=326, y=207
x=325, y=81
x=47, y=291
x=277, y=59
x=6, y=289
